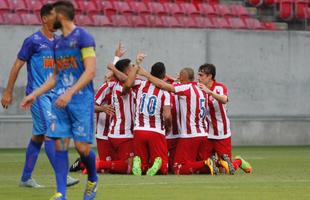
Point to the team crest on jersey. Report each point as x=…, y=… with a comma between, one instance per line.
x=73, y=44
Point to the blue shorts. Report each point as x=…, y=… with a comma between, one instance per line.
x=40, y=112
x=75, y=121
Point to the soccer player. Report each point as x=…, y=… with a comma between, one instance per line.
x=219, y=138
x=37, y=51
x=73, y=102
x=189, y=157
x=152, y=120
x=120, y=134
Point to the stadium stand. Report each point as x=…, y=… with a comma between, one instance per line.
x=170, y=13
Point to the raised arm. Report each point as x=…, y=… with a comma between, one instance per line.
x=118, y=74
x=219, y=97
x=156, y=81
x=8, y=92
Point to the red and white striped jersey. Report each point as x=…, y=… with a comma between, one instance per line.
x=175, y=112
x=103, y=96
x=124, y=104
x=193, y=108
x=218, y=122
x=149, y=108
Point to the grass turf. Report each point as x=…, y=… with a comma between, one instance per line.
x=279, y=173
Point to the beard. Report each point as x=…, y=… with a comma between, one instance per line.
x=57, y=25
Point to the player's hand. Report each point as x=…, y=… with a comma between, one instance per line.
x=140, y=57
x=142, y=72
x=110, y=66
x=204, y=88
x=108, y=109
x=6, y=99
x=63, y=100
x=120, y=51
x=27, y=101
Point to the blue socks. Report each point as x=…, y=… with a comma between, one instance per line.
x=90, y=164
x=32, y=153
x=50, y=151
x=61, y=171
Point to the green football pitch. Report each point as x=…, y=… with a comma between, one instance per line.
x=279, y=173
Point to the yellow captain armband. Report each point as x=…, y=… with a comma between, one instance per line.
x=88, y=52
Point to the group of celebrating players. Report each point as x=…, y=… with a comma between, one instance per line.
x=147, y=125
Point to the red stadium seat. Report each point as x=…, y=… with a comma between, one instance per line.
x=88, y=7
x=270, y=2
x=237, y=23
x=157, y=8
x=106, y=6
x=30, y=19
x=33, y=5
x=140, y=7
x=188, y=22
x=101, y=20
x=213, y=2
x=3, y=6
x=173, y=9
x=286, y=10
x=1, y=20
x=204, y=22
x=207, y=10
x=255, y=3
x=223, y=10
x=120, y=21
x=190, y=9
x=123, y=8
x=171, y=21
x=137, y=21
x=221, y=22
x=253, y=24
x=153, y=21
x=12, y=18
x=300, y=6
x=269, y=26
x=240, y=11
x=83, y=20
x=18, y=6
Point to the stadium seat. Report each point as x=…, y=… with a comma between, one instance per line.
x=221, y=22
x=106, y=6
x=189, y=9
x=173, y=9
x=136, y=21
x=30, y=19
x=1, y=19
x=120, y=21
x=286, y=10
x=83, y=20
x=140, y=7
x=153, y=21
x=188, y=22
x=3, y=6
x=237, y=23
x=204, y=22
x=88, y=7
x=12, y=18
x=123, y=8
x=300, y=6
x=270, y=2
x=18, y=6
x=171, y=21
x=157, y=8
x=223, y=10
x=213, y=2
x=207, y=10
x=253, y=24
x=239, y=11
x=34, y=5
x=255, y=3
x=269, y=26
x=101, y=20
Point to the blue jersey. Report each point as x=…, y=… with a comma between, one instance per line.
x=69, y=62
x=37, y=51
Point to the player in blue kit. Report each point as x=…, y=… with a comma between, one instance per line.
x=37, y=51
x=73, y=103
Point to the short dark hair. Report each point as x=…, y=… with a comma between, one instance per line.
x=46, y=9
x=159, y=70
x=66, y=8
x=123, y=64
x=208, y=68
x=190, y=73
